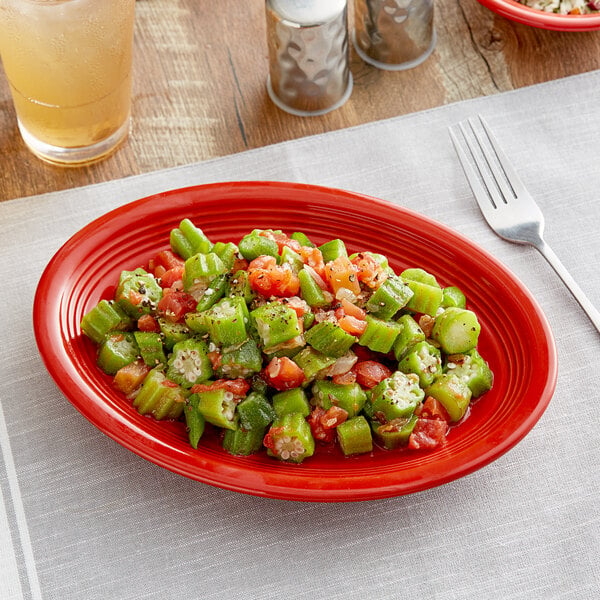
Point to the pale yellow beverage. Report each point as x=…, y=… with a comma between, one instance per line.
x=68, y=63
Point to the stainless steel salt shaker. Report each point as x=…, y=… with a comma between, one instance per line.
x=394, y=34
x=309, y=72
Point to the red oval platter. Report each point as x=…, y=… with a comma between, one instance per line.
x=516, y=338
x=515, y=11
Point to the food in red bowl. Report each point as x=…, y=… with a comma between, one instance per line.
x=557, y=15
x=515, y=337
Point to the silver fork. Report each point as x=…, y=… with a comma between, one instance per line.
x=504, y=201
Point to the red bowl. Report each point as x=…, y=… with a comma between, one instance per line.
x=516, y=338
x=544, y=20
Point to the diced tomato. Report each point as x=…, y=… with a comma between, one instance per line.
x=428, y=434
x=173, y=306
x=364, y=353
x=215, y=359
x=168, y=278
x=135, y=297
x=239, y=264
x=352, y=325
x=269, y=279
x=238, y=387
x=314, y=259
x=298, y=305
x=316, y=427
x=369, y=271
x=158, y=271
x=268, y=441
x=283, y=374
x=282, y=240
x=352, y=310
x=433, y=409
x=370, y=372
x=345, y=378
x=166, y=259
x=130, y=377
x=334, y=416
x=148, y=323
x=341, y=273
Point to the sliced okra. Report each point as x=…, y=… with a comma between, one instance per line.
x=354, y=436
x=104, y=318
x=255, y=412
x=453, y=296
x=239, y=285
x=292, y=258
x=227, y=252
x=456, y=330
x=188, y=240
x=312, y=362
x=333, y=249
x=253, y=245
x=472, y=369
x=351, y=397
x=311, y=292
x=189, y=363
x=379, y=335
x=226, y=321
x=160, y=397
x=427, y=293
x=275, y=323
x=240, y=361
x=396, y=397
x=199, y=271
x=194, y=420
x=329, y=338
x=172, y=333
x=302, y=239
x=151, y=348
x=453, y=393
x=138, y=293
x=395, y=433
x=218, y=408
x=213, y=293
x=290, y=438
x=392, y=295
x=291, y=401
x=423, y=359
x=410, y=334
x=117, y=351
x=243, y=442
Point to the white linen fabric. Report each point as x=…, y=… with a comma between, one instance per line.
x=83, y=518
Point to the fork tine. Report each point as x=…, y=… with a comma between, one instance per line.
x=511, y=175
x=479, y=189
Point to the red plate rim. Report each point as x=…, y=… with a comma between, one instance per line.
x=57, y=311
x=544, y=20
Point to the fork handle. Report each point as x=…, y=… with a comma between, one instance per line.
x=561, y=271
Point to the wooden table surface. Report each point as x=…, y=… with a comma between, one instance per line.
x=199, y=86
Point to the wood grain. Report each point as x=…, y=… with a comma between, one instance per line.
x=199, y=86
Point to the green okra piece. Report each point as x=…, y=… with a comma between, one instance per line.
x=227, y=252
x=291, y=438
x=453, y=393
x=172, y=333
x=354, y=436
x=427, y=293
x=218, y=408
x=137, y=293
x=351, y=397
x=302, y=239
x=194, y=420
x=160, y=397
x=117, y=351
x=424, y=360
x=240, y=361
x=456, y=330
x=291, y=401
x=188, y=240
x=310, y=291
x=392, y=295
x=308, y=320
x=329, y=338
x=333, y=249
x=453, y=296
x=396, y=397
x=189, y=363
x=243, y=442
x=410, y=334
x=151, y=348
x=106, y=317
x=472, y=369
x=394, y=434
x=227, y=320
x=239, y=285
x=253, y=245
x=213, y=293
x=312, y=362
x=200, y=270
x=379, y=335
x=196, y=323
x=288, y=256
x=275, y=324
x=255, y=412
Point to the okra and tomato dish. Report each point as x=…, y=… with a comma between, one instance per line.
x=283, y=346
